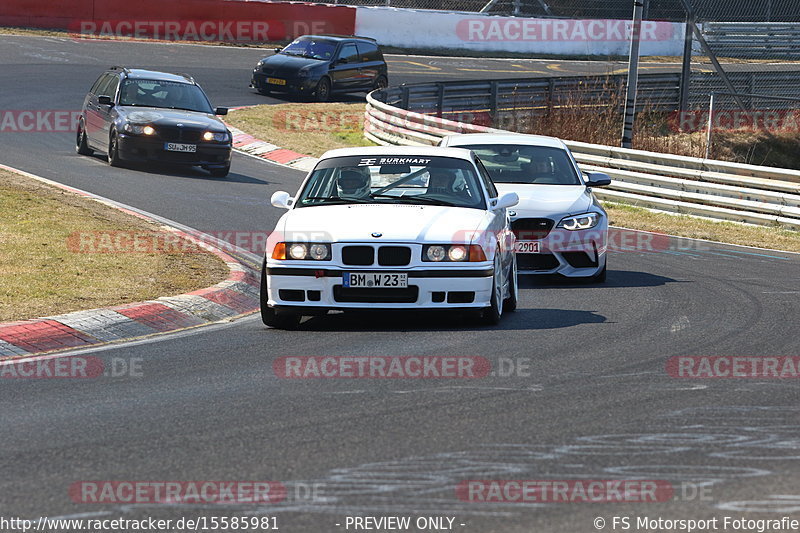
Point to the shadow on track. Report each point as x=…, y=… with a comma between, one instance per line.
x=179, y=171
x=616, y=279
x=522, y=319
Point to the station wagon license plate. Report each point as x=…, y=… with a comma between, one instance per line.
x=527, y=247
x=276, y=81
x=180, y=147
x=388, y=280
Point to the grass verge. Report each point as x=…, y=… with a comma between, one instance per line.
x=42, y=271
x=307, y=128
x=314, y=128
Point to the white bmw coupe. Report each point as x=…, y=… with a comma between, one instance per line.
x=391, y=228
x=560, y=226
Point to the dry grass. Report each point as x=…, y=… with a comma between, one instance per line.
x=41, y=274
x=626, y=216
x=307, y=128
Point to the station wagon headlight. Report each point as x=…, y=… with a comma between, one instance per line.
x=139, y=129
x=453, y=252
x=218, y=137
x=300, y=251
x=577, y=222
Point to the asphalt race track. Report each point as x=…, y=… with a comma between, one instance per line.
x=588, y=397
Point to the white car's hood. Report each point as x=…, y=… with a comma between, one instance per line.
x=548, y=200
x=395, y=223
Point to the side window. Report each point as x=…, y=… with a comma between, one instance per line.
x=487, y=180
x=369, y=51
x=102, y=89
x=112, y=87
x=98, y=82
x=349, y=52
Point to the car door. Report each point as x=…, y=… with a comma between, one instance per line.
x=344, y=69
x=369, y=65
x=93, y=116
x=106, y=113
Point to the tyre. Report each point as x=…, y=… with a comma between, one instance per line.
x=81, y=144
x=600, y=277
x=220, y=172
x=493, y=313
x=113, y=151
x=381, y=82
x=269, y=315
x=323, y=91
x=510, y=303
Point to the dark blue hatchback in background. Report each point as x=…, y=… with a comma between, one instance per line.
x=316, y=66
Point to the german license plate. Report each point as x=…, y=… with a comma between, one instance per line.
x=276, y=81
x=527, y=247
x=388, y=280
x=180, y=147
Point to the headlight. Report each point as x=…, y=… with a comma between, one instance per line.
x=300, y=251
x=303, y=73
x=577, y=222
x=218, y=137
x=453, y=252
x=139, y=129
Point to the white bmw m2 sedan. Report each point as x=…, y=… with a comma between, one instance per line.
x=391, y=228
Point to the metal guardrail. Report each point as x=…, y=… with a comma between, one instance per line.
x=774, y=40
x=701, y=187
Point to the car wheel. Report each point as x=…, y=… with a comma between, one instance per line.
x=381, y=82
x=493, y=313
x=220, y=172
x=323, y=91
x=81, y=145
x=510, y=303
x=113, y=151
x=269, y=315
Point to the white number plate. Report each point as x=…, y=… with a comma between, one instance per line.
x=527, y=247
x=386, y=280
x=179, y=147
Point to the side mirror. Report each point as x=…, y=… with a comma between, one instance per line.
x=597, y=179
x=221, y=111
x=104, y=100
x=278, y=50
x=509, y=199
x=282, y=199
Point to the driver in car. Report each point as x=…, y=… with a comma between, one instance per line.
x=354, y=183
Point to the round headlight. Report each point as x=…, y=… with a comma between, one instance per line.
x=298, y=251
x=457, y=253
x=318, y=252
x=208, y=136
x=436, y=253
x=148, y=130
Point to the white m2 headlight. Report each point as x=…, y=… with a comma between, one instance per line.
x=577, y=222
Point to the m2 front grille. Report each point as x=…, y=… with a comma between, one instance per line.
x=529, y=229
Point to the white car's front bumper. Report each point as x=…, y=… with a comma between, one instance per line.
x=579, y=253
x=291, y=286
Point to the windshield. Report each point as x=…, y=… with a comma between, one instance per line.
x=165, y=94
x=513, y=163
x=309, y=47
x=421, y=180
